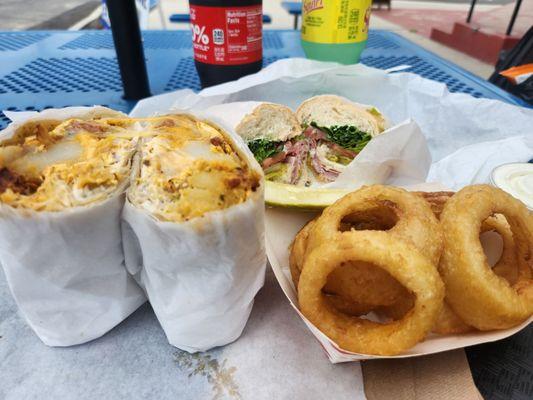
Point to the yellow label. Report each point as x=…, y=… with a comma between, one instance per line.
x=335, y=21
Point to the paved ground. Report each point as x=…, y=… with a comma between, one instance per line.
x=489, y=18
x=43, y=14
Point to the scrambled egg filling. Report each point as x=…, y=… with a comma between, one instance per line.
x=189, y=168
x=50, y=166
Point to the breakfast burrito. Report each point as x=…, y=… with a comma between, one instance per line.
x=61, y=195
x=193, y=229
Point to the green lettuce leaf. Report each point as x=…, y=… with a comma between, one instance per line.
x=346, y=136
x=263, y=148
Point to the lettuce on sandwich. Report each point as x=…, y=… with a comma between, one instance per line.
x=315, y=144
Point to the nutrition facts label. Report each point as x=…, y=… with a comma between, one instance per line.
x=227, y=35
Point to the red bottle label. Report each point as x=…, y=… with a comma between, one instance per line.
x=227, y=35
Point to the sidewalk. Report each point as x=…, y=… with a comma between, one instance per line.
x=44, y=14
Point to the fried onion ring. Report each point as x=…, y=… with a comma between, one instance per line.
x=379, y=287
x=474, y=291
x=403, y=262
x=414, y=221
x=356, y=289
x=507, y=266
x=297, y=252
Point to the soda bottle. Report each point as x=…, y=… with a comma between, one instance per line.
x=227, y=37
x=335, y=30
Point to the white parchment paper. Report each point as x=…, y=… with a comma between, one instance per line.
x=201, y=276
x=65, y=269
x=467, y=137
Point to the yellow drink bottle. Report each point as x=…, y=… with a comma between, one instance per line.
x=335, y=30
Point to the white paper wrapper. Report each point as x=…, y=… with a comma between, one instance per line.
x=66, y=269
x=467, y=137
x=200, y=276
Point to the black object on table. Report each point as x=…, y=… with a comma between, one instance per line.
x=129, y=48
x=521, y=54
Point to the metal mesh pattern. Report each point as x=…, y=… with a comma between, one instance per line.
x=80, y=67
x=185, y=75
x=379, y=42
x=64, y=75
x=271, y=41
x=152, y=40
x=20, y=40
x=422, y=68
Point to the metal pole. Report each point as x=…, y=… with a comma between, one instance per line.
x=513, y=17
x=471, y=11
x=129, y=48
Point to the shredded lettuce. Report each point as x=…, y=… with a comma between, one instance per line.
x=346, y=136
x=263, y=148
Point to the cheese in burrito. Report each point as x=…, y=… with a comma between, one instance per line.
x=54, y=165
x=187, y=168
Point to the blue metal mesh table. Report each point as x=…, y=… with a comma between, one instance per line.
x=57, y=69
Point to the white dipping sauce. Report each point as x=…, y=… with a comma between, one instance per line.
x=517, y=180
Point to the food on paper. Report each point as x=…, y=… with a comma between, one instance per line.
x=506, y=266
x=52, y=166
x=313, y=145
x=517, y=180
x=62, y=179
x=378, y=207
x=404, y=215
x=291, y=196
x=190, y=233
x=403, y=262
x=193, y=229
x=478, y=295
x=188, y=168
x=353, y=288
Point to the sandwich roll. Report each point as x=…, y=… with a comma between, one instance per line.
x=193, y=227
x=62, y=179
x=312, y=146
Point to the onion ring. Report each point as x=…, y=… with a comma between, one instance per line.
x=402, y=261
x=347, y=280
x=297, y=252
x=506, y=267
x=402, y=214
x=475, y=293
x=415, y=222
x=358, y=289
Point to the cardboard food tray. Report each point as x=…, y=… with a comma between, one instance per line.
x=281, y=227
